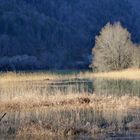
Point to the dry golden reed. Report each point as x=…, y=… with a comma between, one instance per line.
x=128, y=74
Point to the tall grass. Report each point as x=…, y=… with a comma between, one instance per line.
x=70, y=116
x=129, y=74
x=35, y=76
x=35, y=106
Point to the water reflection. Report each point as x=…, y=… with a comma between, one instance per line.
x=117, y=87
x=12, y=90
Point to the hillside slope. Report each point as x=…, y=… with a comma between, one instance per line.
x=57, y=34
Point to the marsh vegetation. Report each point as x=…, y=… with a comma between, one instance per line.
x=68, y=106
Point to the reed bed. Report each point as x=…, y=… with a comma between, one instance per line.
x=34, y=106
x=34, y=76
x=69, y=116
x=128, y=74
x=60, y=100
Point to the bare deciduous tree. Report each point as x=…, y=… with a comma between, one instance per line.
x=113, y=48
x=136, y=56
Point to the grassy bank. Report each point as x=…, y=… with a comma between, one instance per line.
x=128, y=74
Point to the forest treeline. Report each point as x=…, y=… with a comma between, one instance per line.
x=58, y=34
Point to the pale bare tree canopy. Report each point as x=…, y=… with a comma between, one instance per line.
x=136, y=56
x=113, y=49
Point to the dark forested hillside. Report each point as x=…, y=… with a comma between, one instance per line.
x=58, y=34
